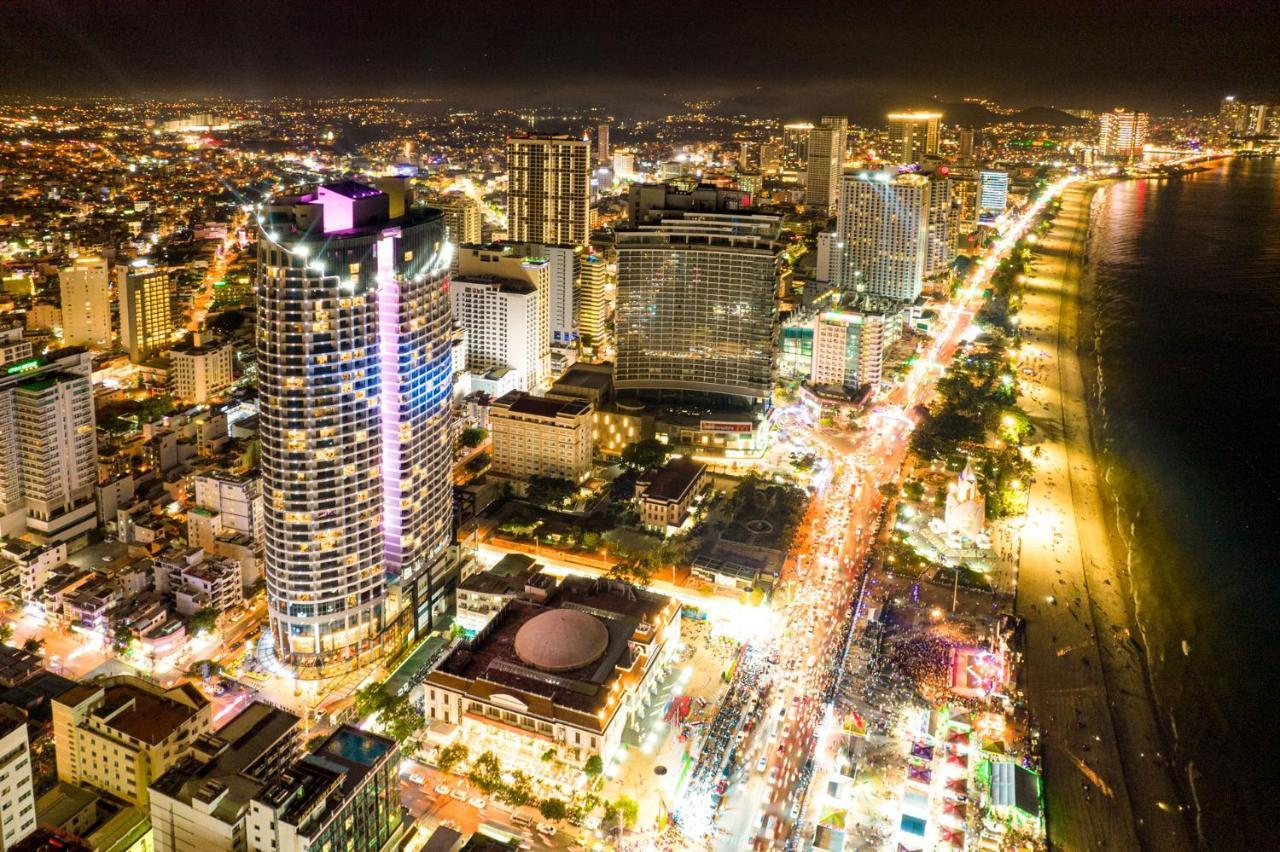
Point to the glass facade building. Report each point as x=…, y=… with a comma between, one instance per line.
x=354, y=368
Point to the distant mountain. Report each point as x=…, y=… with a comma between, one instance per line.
x=977, y=115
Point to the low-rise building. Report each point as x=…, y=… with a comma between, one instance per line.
x=201, y=371
x=343, y=795
x=482, y=595
x=212, y=584
x=572, y=672
x=539, y=436
x=17, y=796
x=202, y=803
x=119, y=734
x=666, y=494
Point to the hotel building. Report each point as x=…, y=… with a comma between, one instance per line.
x=354, y=373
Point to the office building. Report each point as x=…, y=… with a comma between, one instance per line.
x=1122, y=134
x=696, y=309
x=648, y=203
x=86, y=304
x=849, y=346
x=562, y=291
x=966, y=146
x=884, y=225
x=912, y=136
x=602, y=143
x=665, y=495
x=201, y=371
x=541, y=436
x=146, y=310
x=548, y=190
x=354, y=370
x=826, y=163
x=48, y=454
x=22, y=465
x=942, y=234
x=795, y=146
x=17, y=795
x=121, y=733
x=993, y=195
x=624, y=165
x=572, y=672
x=593, y=302
x=827, y=265
x=462, y=218
x=501, y=298
x=345, y=795
x=201, y=804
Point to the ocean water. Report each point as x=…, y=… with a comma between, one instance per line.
x=1186, y=312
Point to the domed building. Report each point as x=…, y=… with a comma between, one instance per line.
x=571, y=671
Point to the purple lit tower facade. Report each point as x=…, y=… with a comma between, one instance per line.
x=354, y=374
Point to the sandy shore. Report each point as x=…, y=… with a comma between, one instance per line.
x=1107, y=784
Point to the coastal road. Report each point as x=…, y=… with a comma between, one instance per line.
x=1106, y=782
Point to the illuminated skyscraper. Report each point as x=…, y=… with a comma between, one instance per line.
x=826, y=161
x=354, y=370
x=548, y=190
x=1122, y=134
x=795, y=146
x=884, y=225
x=146, y=310
x=696, y=308
x=86, y=304
x=913, y=135
x=993, y=194
x=602, y=143
x=462, y=218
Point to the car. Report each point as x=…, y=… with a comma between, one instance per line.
x=773, y=776
x=477, y=802
x=105, y=558
x=459, y=794
x=761, y=763
x=442, y=789
x=416, y=778
x=546, y=828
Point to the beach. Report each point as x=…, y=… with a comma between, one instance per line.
x=1107, y=777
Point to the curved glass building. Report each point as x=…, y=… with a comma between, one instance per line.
x=353, y=375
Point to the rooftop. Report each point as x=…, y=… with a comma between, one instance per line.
x=673, y=480
x=129, y=706
x=519, y=402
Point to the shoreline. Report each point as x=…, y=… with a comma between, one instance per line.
x=1087, y=683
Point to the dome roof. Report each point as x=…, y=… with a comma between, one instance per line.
x=561, y=640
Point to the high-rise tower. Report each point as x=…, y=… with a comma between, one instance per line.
x=913, y=135
x=826, y=162
x=548, y=190
x=86, y=303
x=1121, y=133
x=884, y=226
x=354, y=369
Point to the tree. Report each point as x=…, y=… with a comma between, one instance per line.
x=472, y=437
x=553, y=809
x=889, y=490
x=479, y=462
x=486, y=772
x=637, y=572
x=593, y=767
x=372, y=699
x=33, y=645
x=645, y=454
x=203, y=621
x=549, y=490
x=549, y=755
x=450, y=756
x=519, y=791
x=6, y=632
x=628, y=809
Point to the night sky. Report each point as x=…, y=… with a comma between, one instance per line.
x=776, y=57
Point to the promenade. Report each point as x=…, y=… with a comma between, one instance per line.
x=1107, y=785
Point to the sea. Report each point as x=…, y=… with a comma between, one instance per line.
x=1186, y=322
